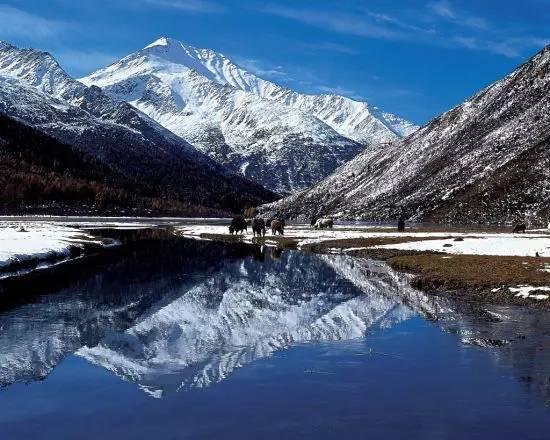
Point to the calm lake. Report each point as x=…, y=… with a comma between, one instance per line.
x=184, y=339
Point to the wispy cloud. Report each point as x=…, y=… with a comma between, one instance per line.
x=330, y=47
x=340, y=22
x=442, y=8
x=16, y=23
x=261, y=68
x=338, y=90
x=198, y=6
x=439, y=23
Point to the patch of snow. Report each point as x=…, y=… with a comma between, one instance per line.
x=20, y=242
x=483, y=244
x=524, y=291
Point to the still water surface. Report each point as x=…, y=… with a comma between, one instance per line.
x=183, y=339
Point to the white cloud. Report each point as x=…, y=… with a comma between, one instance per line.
x=16, y=23
x=442, y=8
x=345, y=23
x=440, y=24
x=261, y=68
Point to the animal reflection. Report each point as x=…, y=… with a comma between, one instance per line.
x=275, y=253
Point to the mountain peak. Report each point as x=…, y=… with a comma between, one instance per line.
x=164, y=41
x=36, y=68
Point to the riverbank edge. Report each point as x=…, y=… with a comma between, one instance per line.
x=494, y=290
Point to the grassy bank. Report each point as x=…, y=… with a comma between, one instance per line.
x=482, y=277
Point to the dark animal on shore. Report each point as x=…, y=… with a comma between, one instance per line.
x=401, y=225
x=323, y=223
x=258, y=227
x=238, y=225
x=313, y=221
x=519, y=228
x=278, y=226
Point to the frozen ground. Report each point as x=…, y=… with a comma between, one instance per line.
x=484, y=244
x=499, y=244
x=35, y=242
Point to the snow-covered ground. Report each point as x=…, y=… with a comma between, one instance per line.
x=484, y=244
x=503, y=244
x=29, y=242
x=524, y=291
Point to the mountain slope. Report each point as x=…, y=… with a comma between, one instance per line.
x=483, y=161
x=273, y=135
x=357, y=120
x=38, y=174
x=35, y=90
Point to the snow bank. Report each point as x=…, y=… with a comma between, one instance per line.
x=483, y=244
x=20, y=243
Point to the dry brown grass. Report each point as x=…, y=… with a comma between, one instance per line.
x=281, y=240
x=222, y=237
x=475, y=275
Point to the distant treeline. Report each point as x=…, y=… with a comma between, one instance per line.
x=40, y=174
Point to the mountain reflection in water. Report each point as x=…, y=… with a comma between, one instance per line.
x=186, y=314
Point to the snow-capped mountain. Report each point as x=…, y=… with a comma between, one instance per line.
x=357, y=120
x=487, y=160
x=36, y=90
x=283, y=139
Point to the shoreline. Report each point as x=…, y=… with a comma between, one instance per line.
x=524, y=280
x=502, y=270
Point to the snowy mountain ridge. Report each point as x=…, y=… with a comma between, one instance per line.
x=285, y=140
x=486, y=160
x=357, y=120
x=35, y=90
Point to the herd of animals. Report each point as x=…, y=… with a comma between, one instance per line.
x=259, y=225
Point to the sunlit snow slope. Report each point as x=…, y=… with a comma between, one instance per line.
x=280, y=138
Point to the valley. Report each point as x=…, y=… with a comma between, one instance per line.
x=229, y=233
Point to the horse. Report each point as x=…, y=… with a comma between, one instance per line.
x=278, y=226
x=238, y=225
x=258, y=227
x=323, y=223
x=519, y=228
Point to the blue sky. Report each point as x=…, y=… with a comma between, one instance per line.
x=413, y=58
